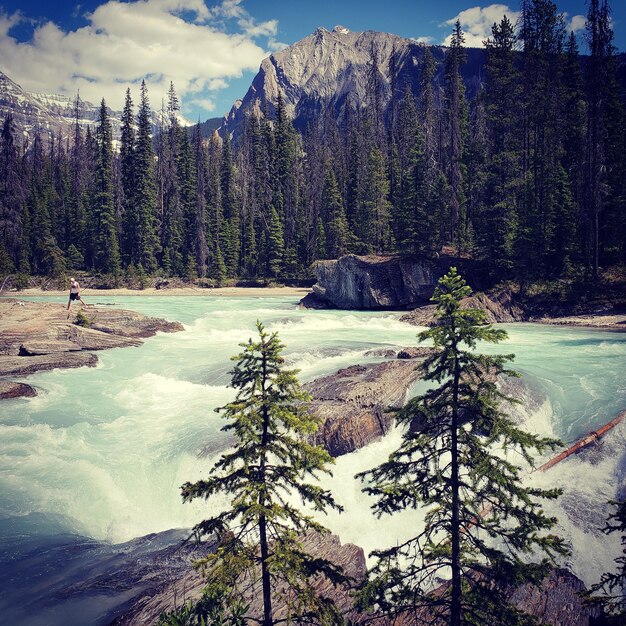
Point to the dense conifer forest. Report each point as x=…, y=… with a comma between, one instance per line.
x=528, y=177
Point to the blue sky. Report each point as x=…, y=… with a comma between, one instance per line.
x=211, y=50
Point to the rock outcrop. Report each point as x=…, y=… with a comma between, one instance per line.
x=353, y=404
x=179, y=586
x=15, y=390
x=38, y=336
x=328, y=72
x=498, y=308
x=370, y=282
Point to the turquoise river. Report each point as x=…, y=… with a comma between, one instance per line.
x=101, y=453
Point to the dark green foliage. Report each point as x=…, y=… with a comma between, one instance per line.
x=482, y=524
x=610, y=592
x=496, y=222
x=105, y=255
x=260, y=532
x=529, y=178
x=456, y=121
x=217, y=607
x=12, y=196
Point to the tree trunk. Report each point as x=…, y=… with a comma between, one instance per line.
x=455, y=605
x=265, y=574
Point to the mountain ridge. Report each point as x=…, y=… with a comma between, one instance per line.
x=51, y=114
x=329, y=68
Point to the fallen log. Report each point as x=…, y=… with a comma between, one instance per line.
x=583, y=443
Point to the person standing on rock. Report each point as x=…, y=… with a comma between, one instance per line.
x=74, y=294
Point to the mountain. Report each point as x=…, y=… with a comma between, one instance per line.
x=48, y=113
x=330, y=69
x=52, y=114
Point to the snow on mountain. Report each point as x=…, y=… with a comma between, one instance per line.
x=52, y=114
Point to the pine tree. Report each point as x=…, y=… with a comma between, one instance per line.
x=495, y=224
x=543, y=35
x=230, y=239
x=127, y=175
x=262, y=530
x=456, y=129
x=145, y=247
x=81, y=176
x=337, y=233
x=12, y=197
x=414, y=221
x=275, y=244
x=376, y=226
x=200, y=220
x=215, y=217
x=172, y=218
x=610, y=592
x=106, y=256
x=569, y=234
x=482, y=524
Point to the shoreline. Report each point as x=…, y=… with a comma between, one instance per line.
x=255, y=292
x=610, y=322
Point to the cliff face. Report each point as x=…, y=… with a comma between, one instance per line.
x=354, y=282
x=331, y=68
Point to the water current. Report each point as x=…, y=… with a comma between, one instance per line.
x=101, y=453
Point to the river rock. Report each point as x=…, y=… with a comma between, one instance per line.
x=39, y=336
x=353, y=404
x=416, y=352
x=34, y=348
x=372, y=282
x=498, y=308
x=10, y=389
x=164, y=592
x=24, y=366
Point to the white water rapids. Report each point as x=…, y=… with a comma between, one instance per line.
x=104, y=451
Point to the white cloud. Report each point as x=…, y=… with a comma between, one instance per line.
x=124, y=42
x=425, y=39
x=274, y=45
x=477, y=22
x=576, y=24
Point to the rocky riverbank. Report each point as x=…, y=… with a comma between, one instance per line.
x=396, y=283
x=39, y=336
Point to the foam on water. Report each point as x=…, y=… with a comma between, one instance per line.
x=108, y=448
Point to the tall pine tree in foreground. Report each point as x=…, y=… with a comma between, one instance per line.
x=260, y=533
x=482, y=525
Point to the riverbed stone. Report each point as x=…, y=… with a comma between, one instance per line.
x=9, y=389
x=40, y=336
x=353, y=404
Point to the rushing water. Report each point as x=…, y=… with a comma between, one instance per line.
x=102, y=452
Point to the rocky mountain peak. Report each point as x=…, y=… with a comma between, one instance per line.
x=332, y=69
x=326, y=66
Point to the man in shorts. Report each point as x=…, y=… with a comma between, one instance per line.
x=74, y=294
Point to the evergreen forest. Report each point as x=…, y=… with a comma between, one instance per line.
x=528, y=178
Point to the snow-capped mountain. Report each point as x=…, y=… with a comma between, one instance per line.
x=52, y=114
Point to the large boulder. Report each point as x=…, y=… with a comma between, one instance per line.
x=369, y=282
x=169, y=583
x=353, y=403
